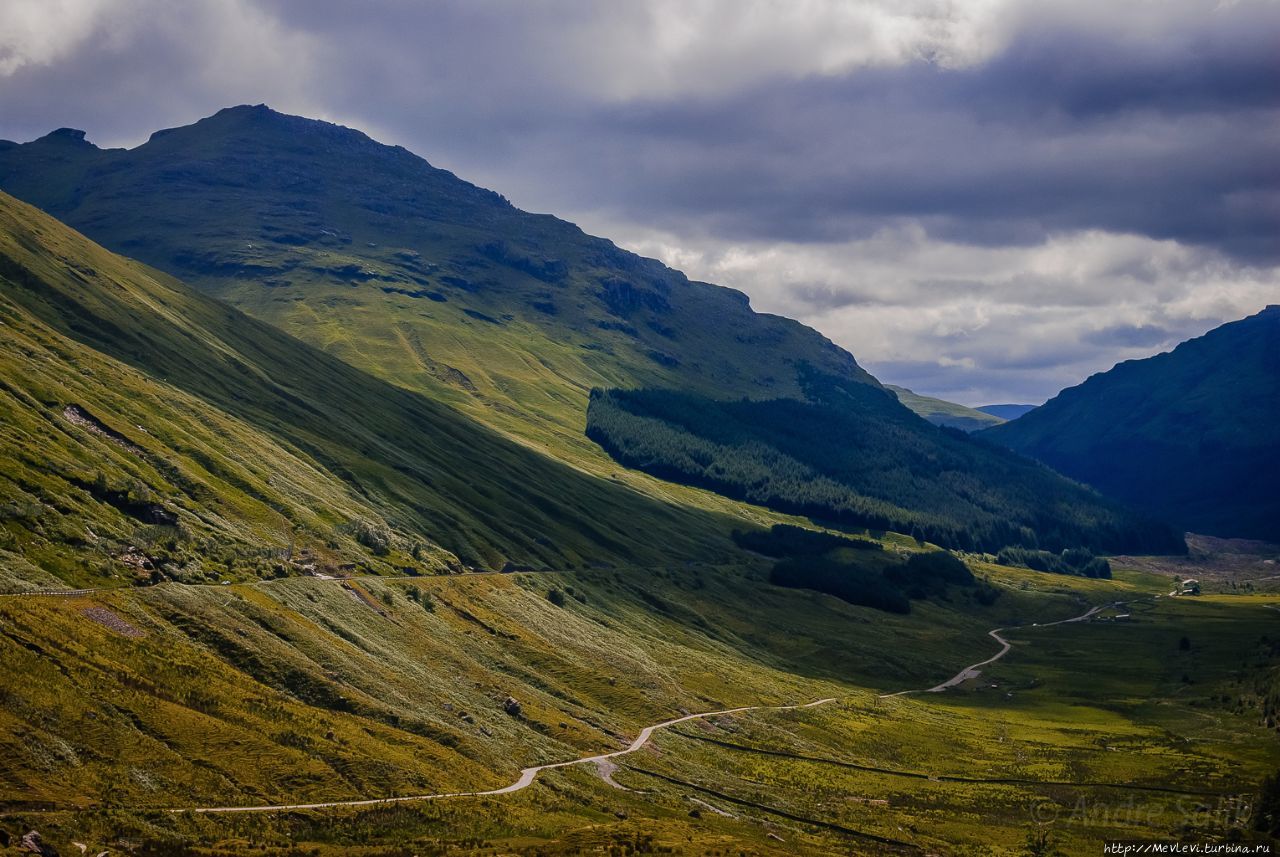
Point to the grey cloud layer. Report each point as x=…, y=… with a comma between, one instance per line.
x=1024, y=191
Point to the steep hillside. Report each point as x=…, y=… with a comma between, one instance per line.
x=150, y=428
x=1189, y=435
x=943, y=413
x=850, y=455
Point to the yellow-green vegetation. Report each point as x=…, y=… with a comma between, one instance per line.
x=125, y=703
x=412, y=274
x=149, y=428
x=300, y=515
x=437, y=286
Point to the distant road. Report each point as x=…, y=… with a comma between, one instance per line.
x=972, y=670
x=528, y=775
x=71, y=593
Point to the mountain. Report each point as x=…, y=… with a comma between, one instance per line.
x=148, y=427
x=1189, y=435
x=153, y=435
x=405, y=272
x=944, y=413
x=1006, y=412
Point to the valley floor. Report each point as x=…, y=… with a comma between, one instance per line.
x=122, y=705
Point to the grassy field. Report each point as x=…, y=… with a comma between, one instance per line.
x=307, y=690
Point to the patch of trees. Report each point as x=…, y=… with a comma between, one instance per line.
x=851, y=455
x=790, y=540
x=853, y=583
x=926, y=574
x=1075, y=561
x=857, y=570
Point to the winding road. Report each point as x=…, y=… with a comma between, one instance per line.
x=530, y=774
x=973, y=671
x=527, y=776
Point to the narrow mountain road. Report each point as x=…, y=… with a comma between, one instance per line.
x=51, y=593
x=973, y=671
x=530, y=774
x=527, y=776
x=267, y=581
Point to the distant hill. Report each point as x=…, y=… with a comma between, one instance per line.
x=1006, y=412
x=1190, y=435
x=944, y=413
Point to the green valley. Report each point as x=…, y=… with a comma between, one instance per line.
x=376, y=493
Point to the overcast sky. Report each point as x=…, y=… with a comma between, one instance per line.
x=985, y=201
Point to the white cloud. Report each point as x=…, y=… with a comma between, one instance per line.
x=39, y=32
x=704, y=46
x=980, y=324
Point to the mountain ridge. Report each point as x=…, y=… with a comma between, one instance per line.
x=1006, y=411
x=940, y=412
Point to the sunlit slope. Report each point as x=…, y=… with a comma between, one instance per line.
x=143, y=417
x=440, y=287
x=943, y=413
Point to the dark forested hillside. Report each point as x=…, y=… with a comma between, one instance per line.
x=1190, y=435
x=848, y=454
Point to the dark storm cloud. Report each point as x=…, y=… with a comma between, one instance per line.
x=1058, y=134
x=1167, y=131
x=985, y=197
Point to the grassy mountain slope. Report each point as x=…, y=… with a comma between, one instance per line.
x=122, y=704
x=443, y=288
x=1189, y=434
x=944, y=413
x=138, y=409
x=409, y=272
